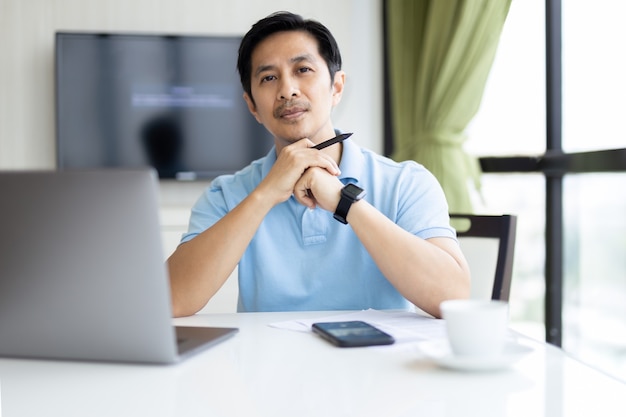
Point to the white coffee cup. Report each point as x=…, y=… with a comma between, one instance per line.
x=476, y=328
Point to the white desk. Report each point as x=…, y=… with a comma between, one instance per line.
x=264, y=371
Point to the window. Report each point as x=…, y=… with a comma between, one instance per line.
x=512, y=121
x=594, y=81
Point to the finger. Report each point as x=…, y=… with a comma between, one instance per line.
x=328, y=163
x=301, y=144
x=304, y=196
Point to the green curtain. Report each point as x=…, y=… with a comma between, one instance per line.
x=440, y=55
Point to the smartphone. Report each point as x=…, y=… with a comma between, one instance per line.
x=352, y=334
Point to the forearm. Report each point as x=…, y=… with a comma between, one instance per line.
x=199, y=268
x=426, y=272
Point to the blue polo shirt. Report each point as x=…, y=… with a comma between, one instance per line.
x=302, y=259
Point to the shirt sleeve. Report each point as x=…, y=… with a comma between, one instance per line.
x=422, y=206
x=223, y=194
x=210, y=207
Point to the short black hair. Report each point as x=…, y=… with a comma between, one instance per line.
x=285, y=22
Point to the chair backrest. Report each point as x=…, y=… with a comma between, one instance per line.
x=488, y=242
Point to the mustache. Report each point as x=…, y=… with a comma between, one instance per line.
x=291, y=104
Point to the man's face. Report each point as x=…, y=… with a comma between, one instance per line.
x=293, y=95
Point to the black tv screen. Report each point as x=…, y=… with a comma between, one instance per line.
x=136, y=100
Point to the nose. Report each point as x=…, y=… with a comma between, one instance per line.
x=288, y=89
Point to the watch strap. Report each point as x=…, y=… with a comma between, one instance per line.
x=341, y=212
x=350, y=194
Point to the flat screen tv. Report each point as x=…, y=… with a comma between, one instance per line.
x=136, y=100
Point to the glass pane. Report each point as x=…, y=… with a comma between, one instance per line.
x=511, y=118
x=523, y=196
x=594, y=64
x=594, y=305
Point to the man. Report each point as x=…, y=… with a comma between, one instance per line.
x=277, y=218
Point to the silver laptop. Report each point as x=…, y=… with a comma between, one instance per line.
x=82, y=272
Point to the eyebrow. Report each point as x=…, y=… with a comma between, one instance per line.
x=294, y=60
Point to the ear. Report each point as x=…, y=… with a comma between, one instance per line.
x=251, y=106
x=338, y=84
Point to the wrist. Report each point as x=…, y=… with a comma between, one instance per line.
x=350, y=194
x=263, y=199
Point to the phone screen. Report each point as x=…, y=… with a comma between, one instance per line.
x=352, y=334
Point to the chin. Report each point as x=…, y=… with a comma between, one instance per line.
x=294, y=132
x=291, y=137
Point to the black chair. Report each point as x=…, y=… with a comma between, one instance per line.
x=488, y=242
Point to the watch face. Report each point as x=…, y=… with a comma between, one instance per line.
x=352, y=191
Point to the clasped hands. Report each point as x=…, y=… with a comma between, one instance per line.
x=310, y=175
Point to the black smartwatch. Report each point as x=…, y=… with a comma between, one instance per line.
x=349, y=194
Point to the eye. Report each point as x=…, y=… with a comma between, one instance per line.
x=268, y=78
x=304, y=69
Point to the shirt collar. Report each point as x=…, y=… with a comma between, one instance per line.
x=351, y=165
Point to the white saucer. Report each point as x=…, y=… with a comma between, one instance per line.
x=439, y=352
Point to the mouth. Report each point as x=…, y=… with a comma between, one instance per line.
x=290, y=112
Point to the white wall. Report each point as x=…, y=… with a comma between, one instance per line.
x=27, y=27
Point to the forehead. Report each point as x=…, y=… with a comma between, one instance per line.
x=284, y=47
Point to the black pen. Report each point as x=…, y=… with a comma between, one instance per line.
x=332, y=141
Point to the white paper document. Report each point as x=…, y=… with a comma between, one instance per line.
x=404, y=326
